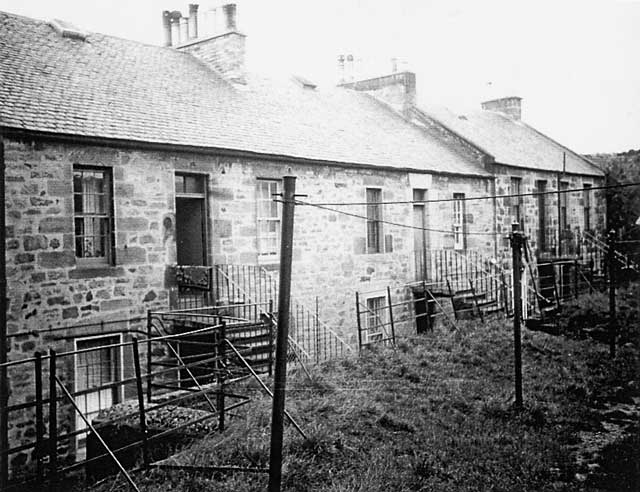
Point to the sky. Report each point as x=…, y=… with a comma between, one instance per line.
x=575, y=63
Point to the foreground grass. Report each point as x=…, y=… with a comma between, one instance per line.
x=434, y=413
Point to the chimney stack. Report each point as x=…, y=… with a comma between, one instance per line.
x=193, y=20
x=510, y=106
x=221, y=48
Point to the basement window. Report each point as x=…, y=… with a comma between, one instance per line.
x=98, y=364
x=93, y=215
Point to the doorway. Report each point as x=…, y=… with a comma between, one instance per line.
x=191, y=220
x=420, y=237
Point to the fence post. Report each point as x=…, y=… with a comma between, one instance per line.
x=149, y=359
x=282, y=334
x=516, y=247
x=393, y=329
x=39, y=420
x=317, y=328
x=141, y=410
x=271, y=337
x=358, y=322
x=612, y=292
x=221, y=377
x=53, y=423
x=427, y=309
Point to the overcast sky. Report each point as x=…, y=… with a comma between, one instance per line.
x=575, y=63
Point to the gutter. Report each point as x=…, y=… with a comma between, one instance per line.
x=217, y=151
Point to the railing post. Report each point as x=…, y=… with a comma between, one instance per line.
x=271, y=336
x=612, y=293
x=39, y=420
x=53, y=423
x=149, y=357
x=221, y=377
x=317, y=329
x=393, y=330
x=358, y=322
x=576, y=265
x=141, y=410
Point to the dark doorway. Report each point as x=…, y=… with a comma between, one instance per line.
x=190, y=231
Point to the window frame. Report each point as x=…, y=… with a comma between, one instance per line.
x=109, y=255
x=563, y=206
x=374, y=221
x=377, y=315
x=118, y=391
x=516, y=202
x=459, y=222
x=271, y=257
x=586, y=205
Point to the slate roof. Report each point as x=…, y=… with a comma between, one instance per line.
x=119, y=89
x=512, y=142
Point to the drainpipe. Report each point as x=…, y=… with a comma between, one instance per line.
x=4, y=388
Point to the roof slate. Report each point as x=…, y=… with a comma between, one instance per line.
x=513, y=142
x=113, y=88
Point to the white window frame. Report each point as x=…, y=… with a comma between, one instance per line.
x=374, y=218
x=379, y=314
x=459, y=223
x=81, y=450
x=108, y=214
x=270, y=256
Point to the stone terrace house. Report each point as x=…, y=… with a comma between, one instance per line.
x=523, y=160
x=124, y=159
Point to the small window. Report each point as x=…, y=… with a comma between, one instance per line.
x=374, y=218
x=586, y=203
x=97, y=365
x=268, y=219
x=190, y=184
x=563, y=200
x=459, y=240
x=376, y=318
x=515, y=202
x=93, y=214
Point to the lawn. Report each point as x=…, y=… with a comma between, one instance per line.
x=436, y=413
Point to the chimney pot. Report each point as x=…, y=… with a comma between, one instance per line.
x=166, y=27
x=184, y=30
x=230, y=20
x=193, y=20
x=175, y=28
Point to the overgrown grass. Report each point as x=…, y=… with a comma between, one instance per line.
x=433, y=414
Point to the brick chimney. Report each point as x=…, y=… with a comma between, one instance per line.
x=218, y=44
x=398, y=90
x=511, y=106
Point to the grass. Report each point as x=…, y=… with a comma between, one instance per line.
x=434, y=413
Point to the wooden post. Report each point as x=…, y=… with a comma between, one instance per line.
x=39, y=421
x=282, y=335
x=358, y=322
x=53, y=423
x=393, y=329
x=516, y=247
x=576, y=265
x=612, y=292
x=271, y=337
x=141, y=409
